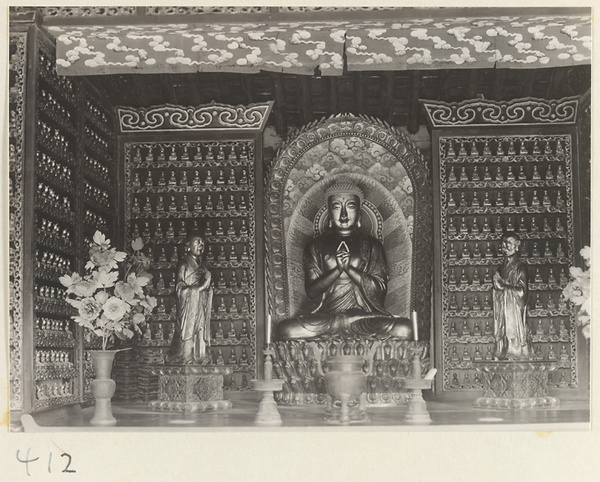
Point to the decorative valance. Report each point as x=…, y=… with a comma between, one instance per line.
x=207, y=117
x=503, y=42
x=477, y=113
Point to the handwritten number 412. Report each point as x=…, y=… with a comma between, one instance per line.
x=27, y=460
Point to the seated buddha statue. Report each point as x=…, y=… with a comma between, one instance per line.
x=346, y=277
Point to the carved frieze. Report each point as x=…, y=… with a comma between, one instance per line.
x=206, y=117
x=484, y=112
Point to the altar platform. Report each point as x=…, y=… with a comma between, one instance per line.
x=455, y=416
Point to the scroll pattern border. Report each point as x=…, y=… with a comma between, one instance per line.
x=16, y=161
x=391, y=139
x=205, y=117
x=526, y=111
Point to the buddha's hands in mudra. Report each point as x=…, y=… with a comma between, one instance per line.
x=342, y=257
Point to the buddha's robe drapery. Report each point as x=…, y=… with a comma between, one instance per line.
x=346, y=308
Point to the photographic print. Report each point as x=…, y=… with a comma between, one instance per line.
x=291, y=217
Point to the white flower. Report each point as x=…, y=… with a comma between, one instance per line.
x=578, y=291
x=105, y=279
x=85, y=288
x=67, y=281
x=115, y=308
x=125, y=291
x=101, y=240
x=137, y=244
x=89, y=309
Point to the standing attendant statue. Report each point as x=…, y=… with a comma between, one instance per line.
x=193, y=296
x=510, y=290
x=346, y=277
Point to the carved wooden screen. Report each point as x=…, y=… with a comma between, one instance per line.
x=502, y=167
x=178, y=184
x=16, y=165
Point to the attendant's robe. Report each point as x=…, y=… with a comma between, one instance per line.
x=512, y=337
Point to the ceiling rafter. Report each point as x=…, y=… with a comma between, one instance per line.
x=388, y=95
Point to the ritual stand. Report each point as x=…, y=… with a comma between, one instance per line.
x=190, y=388
x=512, y=385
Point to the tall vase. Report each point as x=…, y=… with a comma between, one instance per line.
x=103, y=387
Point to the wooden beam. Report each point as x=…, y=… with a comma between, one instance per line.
x=197, y=89
x=279, y=106
x=402, y=14
x=168, y=91
x=556, y=87
x=443, y=89
x=305, y=99
x=144, y=94
x=387, y=96
x=333, y=95
x=498, y=85
x=359, y=97
x=414, y=92
x=473, y=83
x=247, y=86
x=528, y=83
x=222, y=87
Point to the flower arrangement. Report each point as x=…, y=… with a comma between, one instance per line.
x=578, y=291
x=108, y=306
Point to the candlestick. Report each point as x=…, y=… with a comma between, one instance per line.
x=268, y=313
x=267, y=409
x=413, y=317
x=268, y=330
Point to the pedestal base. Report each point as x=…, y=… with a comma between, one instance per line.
x=190, y=388
x=516, y=403
x=515, y=385
x=417, y=407
x=295, y=363
x=268, y=414
x=190, y=406
x=346, y=412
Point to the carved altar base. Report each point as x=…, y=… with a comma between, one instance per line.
x=190, y=388
x=296, y=364
x=515, y=385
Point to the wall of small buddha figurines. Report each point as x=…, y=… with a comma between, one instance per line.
x=492, y=185
x=206, y=187
x=74, y=198
x=71, y=145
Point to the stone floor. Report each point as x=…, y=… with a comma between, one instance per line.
x=134, y=417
